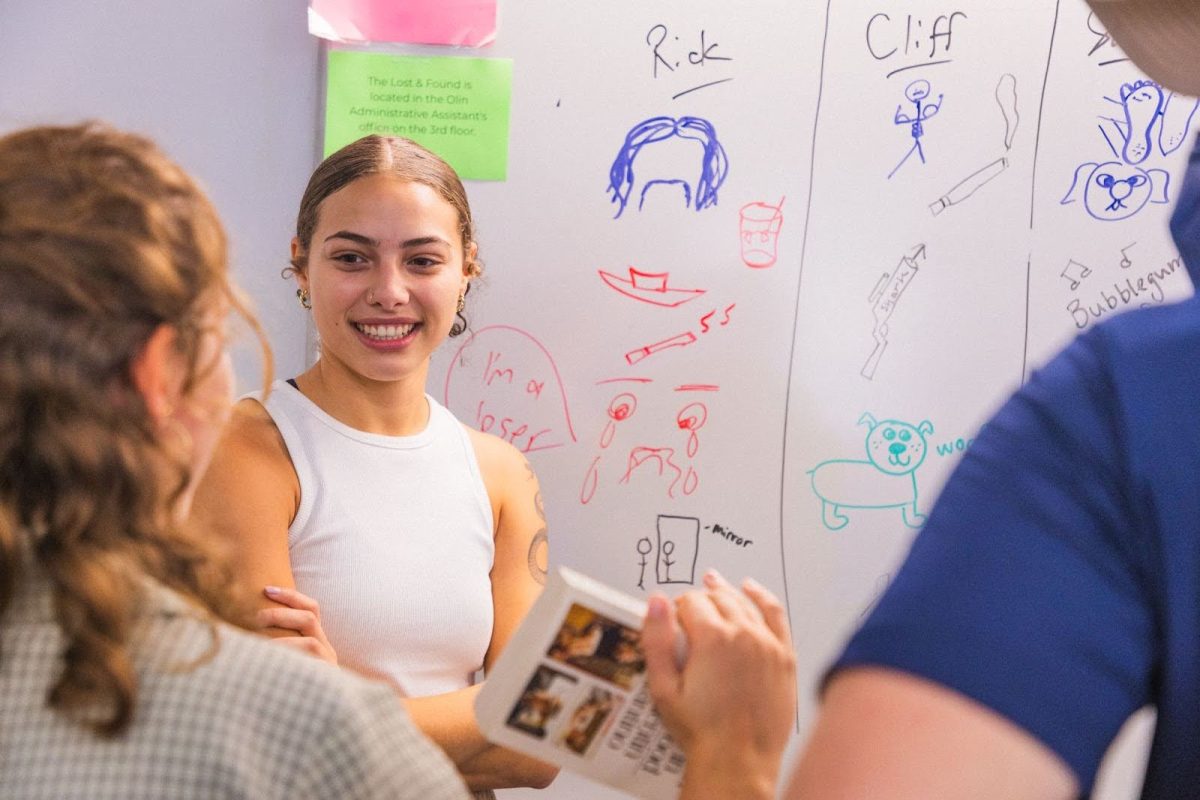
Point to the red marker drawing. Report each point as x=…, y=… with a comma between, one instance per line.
x=682, y=340
x=650, y=287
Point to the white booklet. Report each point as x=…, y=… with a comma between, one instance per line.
x=570, y=689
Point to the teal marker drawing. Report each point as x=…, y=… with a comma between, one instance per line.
x=886, y=479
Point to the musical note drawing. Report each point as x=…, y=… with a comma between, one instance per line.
x=650, y=287
x=1126, y=263
x=884, y=298
x=1074, y=273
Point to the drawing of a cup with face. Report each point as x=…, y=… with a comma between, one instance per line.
x=1115, y=191
x=759, y=227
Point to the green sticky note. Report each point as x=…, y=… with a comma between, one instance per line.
x=457, y=107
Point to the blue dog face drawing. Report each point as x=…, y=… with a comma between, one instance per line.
x=896, y=447
x=1113, y=191
x=1116, y=191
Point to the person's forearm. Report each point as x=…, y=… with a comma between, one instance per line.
x=449, y=720
x=720, y=771
x=499, y=768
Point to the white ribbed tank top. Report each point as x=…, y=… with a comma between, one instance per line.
x=393, y=539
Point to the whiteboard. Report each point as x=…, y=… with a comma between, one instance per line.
x=805, y=113
x=736, y=243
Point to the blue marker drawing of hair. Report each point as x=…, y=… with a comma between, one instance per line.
x=699, y=191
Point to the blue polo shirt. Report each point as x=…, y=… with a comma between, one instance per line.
x=1057, y=580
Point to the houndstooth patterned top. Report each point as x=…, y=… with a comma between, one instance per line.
x=254, y=720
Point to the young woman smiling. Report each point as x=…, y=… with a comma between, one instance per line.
x=351, y=487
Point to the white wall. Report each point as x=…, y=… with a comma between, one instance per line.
x=228, y=87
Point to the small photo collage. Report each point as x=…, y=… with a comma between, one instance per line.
x=571, y=698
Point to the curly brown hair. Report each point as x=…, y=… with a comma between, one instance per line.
x=102, y=240
x=388, y=155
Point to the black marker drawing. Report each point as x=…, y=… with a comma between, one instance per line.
x=1126, y=263
x=665, y=55
x=1074, y=273
x=1006, y=97
x=883, y=299
x=881, y=585
x=644, y=546
x=678, y=547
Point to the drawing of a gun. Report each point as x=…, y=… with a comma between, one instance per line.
x=883, y=298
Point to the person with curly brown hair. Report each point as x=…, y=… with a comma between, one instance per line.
x=121, y=675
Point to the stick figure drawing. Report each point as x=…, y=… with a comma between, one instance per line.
x=917, y=93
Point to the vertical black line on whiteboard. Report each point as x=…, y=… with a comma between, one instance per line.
x=1037, y=140
x=1025, y=351
x=1037, y=136
x=787, y=396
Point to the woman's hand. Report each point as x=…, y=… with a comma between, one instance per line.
x=731, y=704
x=300, y=614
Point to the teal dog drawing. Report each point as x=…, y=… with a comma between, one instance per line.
x=886, y=479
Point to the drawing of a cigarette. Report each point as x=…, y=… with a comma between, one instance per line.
x=682, y=340
x=968, y=185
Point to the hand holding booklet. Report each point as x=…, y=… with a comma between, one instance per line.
x=570, y=689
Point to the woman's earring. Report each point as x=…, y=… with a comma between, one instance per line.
x=304, y=299
x=460, y=323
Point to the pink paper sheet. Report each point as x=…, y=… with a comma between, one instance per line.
x=470, y=23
